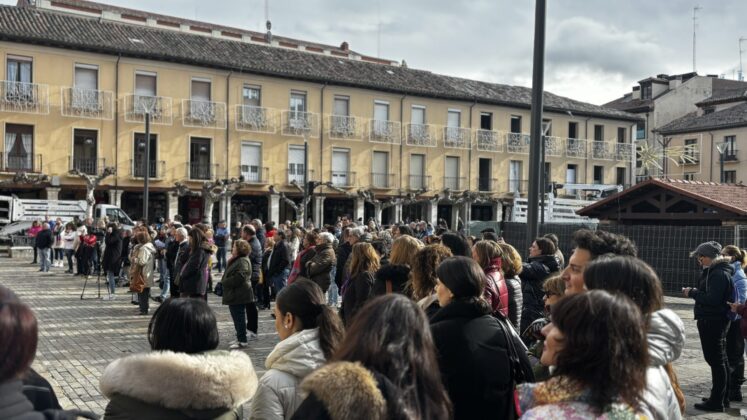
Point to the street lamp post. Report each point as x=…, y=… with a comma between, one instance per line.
x=535, y=148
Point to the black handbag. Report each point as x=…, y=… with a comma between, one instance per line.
x=218, y=289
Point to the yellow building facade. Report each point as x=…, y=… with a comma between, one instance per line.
x=66, y=108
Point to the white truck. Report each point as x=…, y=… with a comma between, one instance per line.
x=17, y=214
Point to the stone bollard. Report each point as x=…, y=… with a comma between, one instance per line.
x=21, y=252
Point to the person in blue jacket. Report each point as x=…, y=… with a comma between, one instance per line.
x=734, y=340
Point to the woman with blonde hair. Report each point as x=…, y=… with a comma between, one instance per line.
x=364, y=262
x=394, y=276
x=423, y=280
x=512, y=266
x=490, y=257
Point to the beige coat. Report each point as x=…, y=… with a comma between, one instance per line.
x=143, y=256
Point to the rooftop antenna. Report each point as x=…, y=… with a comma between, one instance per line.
x=268, y=24
x=695, y=27
x=741, y=72
x=378, y=29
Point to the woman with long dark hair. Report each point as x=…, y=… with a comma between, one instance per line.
x=423, y=280
x=238, y=293
x=490, y=257
x=383, y=369
x=540, y=264
x=479, y=357
x=309, y=332
x=193, y=277
x=597, y=345
x=364, y=262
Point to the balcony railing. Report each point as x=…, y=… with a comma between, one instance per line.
x=517, y=143
x=731, y=155
x=575, y=148
x=255, y=174
x=256, y=119
x=156, y=168
x=518, y=186
x=623, y=152
x=297, y=123
x=342, y=178
x=90, y=166
x=489, y=140
x=22, y=162
x=383, y=181
x=30, y=98
x=456, y=183
x=553, y=146
x=690, y=157
x=420, y=135
x=419, y=182
x=87, y=103
x=160, y=108
x=602, y=150
x=344, y=127
x=203, y=114
x=202, y=171
x=388, y=132
x=457, y=138
x=297, y=177
x=485, y=184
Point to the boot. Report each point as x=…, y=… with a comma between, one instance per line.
x=735, y=394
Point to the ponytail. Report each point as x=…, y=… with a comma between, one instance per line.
x=330, y=330
x=736, y=254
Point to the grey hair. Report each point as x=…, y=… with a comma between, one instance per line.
x=257, y=222
x=327, y=237
x=357, y=232
x=182, y=231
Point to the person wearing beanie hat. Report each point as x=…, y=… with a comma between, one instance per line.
x=471, y=343
x=711, y=307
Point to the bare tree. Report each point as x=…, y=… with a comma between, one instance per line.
x=92, y=182
x=211, y=192
x=300, y=208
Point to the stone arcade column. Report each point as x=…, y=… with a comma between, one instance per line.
x=53, y=193
x=115, y=197
x=377, y=213
x=498, y=211
x=224, y=211
x=360, y=209
x=454, y=222
x=318, y=210
x=397, y=213
x=431, y=212
x=274, y=210
x=173, y=205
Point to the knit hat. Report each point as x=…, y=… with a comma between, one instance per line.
x=710, y=249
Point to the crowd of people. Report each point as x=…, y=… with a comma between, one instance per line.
x=399, y=322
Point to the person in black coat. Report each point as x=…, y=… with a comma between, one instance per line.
x=180, y=259
x=279, y=267
x=112, y=258
x=43, y=242
x=474, y=348
x=391, y=279
x=260, y=231
x=540, y=264
x=193, y=275
x=358, y=291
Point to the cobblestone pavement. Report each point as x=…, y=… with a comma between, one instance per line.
x=78, y=338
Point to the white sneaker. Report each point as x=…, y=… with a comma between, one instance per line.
x=238, y=345
x=250, y=336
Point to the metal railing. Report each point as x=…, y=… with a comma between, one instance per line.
x=454, y=182
x=623, y=152
x=517, y=143
x=342, y=178
x=30, y=98
x=344, y=127
x=254, y=174
x=202, y=171
x=203, y=114
x=602, y=150
x=457, y=138
x=690, y=157
x=156, y=168
x=485, y=184
x=298, y=123
x=489, y=140
x=160, y=109
x=388, y=132
x=90, y=166
x=87, y=103
x=553, y=146
x=27, y=162
x=731, y=155
x=383, y=181
x=297, y=177
x=575, y=148
x=517, y=186
x=420, y=135
x=256, y=119
x=419, y=182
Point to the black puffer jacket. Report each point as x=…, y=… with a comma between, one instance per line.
x=396, y=275
x=533, y=275
x=714, y=290
x=113, y=251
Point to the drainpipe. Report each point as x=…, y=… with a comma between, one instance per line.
x=228, y=118
x=321, y=134
x=469, y=161
x=586, y=161
x=116, y=123
x=633, y=157
x=401, y=138
x=710, y=164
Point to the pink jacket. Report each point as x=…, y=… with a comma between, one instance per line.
x=496, y=290
x=33, y=230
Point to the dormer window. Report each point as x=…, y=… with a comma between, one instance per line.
x=646, y=91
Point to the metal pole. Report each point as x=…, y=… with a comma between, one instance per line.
x=306, y=191
x=147, y=166
x=535, y=147
x=722, y=164
x=543, y=181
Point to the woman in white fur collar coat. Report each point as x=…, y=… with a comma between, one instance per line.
x=184, y=377
x=309, y=331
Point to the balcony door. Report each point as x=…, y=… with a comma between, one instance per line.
x=200, y=107
x=145, y=93
x=85, y=151
x=341, y=123
x=139, y=155
x=451, y=172
x=453, y=121
x=417, y=172
x=484, y=174
x=199, y=158
x=571, y=177
x=514, y=176
x=341, y=167
x=381, y=119
x=296, y=164
x=85, y=92
x=380, y=169
x=19, y=147
x=251, y=162
x=19, y=77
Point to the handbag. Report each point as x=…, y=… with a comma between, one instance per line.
x=218, y=289
x=137, y=280
x=518, y=374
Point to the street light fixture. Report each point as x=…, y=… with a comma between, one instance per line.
x=147, y=103
x=722, y=147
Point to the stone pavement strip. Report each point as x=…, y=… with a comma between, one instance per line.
x=79, y=338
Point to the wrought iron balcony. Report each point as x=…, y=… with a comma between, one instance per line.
x=20, y=162
x=87, y=103
x=297, y=177
x=575, y=148
x=202, y=171
x=344, y=127
x=457, y=138
x=553, y=146
x=156, y=168
x=485, y=184
x=602, y=150
x=342, y=178
x=420, y=135
x=731, y=155
x=255, y=174
x=456, y=183
x=419, y=182
x=623, y=152
x=203, y=114
x=297, y=123
x=489, y=140
x=389, y=132
x=517, y=143
x=256, y=119
x=160, y=108
x=518, y=186
x=90, y=166
x=32, y=98
x=383, y=181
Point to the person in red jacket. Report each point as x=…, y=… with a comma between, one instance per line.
x=488, y=255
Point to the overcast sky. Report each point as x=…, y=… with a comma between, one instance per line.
x=596, y=50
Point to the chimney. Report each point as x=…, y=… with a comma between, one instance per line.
x=636, y=92
x=344, y=46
